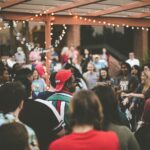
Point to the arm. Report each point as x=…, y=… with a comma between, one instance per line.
x=129, y=95
x=138, y=95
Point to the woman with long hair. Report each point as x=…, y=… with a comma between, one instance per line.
x=85, y=124
x=141, y=94
x=114, y=119
x=143, y=132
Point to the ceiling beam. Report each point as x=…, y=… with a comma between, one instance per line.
x=120, y=8
x=76, y=3
x=10, y=3
x=140, y=15
x=21, y=16
x=72, y=20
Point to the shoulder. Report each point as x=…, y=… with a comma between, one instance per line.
x=7, y=118
x=128, y=60
x=119, y=127
x=107, y=134
x=121, y=131
x=61, y=96
x=57, y=144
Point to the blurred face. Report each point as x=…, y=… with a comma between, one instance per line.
x=146, y=68
x=104, y=50
x=6, y=76
x=103, y=74
x=72, y=85
x=134, y=71
x=124, y=69
x=90, y=67
x=131, y=55
x=96, y=59
x=143, y=78
x=35, y=75
x=86, y=52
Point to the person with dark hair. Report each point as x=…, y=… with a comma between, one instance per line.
x=125, y=83
x=16, y=67
x=13, y=136
x=40, y=115
x=25, y=76
x=79, y=79
x=104, y=78
x=24, y=73
x=143, y=132
x=141, y=94
x=85, y=60
x=85, y=123
x=65, y=86
x=136, y=71
x=134, y=109
x=11, y=105
x=146, y=67
x=113, y=118
x=4, y=75
x=38, y=84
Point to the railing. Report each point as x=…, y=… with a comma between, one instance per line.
x=115, y=53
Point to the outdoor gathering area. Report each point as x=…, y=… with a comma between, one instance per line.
x=74, y=74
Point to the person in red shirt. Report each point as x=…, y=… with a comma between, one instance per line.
x=85, y=123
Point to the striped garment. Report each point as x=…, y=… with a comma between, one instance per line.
x=61, y=101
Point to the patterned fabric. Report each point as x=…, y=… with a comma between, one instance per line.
x=9, y=118
x=61, y=102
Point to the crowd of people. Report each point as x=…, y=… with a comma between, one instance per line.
x=84, y=107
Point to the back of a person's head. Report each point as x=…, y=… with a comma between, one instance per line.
x=38, y=115
x=85, y=109
x=16, y=67
x=23, y=73
x=13, y=136
x=11, y=95
x=109, y=103
x=22, y=76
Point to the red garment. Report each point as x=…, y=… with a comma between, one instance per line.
x=40, y=69
x=64, y=58
x=91, y=140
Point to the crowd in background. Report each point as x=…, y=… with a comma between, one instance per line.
x=84, y=107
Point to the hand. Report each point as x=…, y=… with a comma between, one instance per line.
x=126, y=94
x=102, y=83
x=123, y=94
x=125, y=101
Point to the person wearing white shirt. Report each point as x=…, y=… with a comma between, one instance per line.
x=132, y=60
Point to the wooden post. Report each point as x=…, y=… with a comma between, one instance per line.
x=12, y=37
x=141, y=44
x=47, y=46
